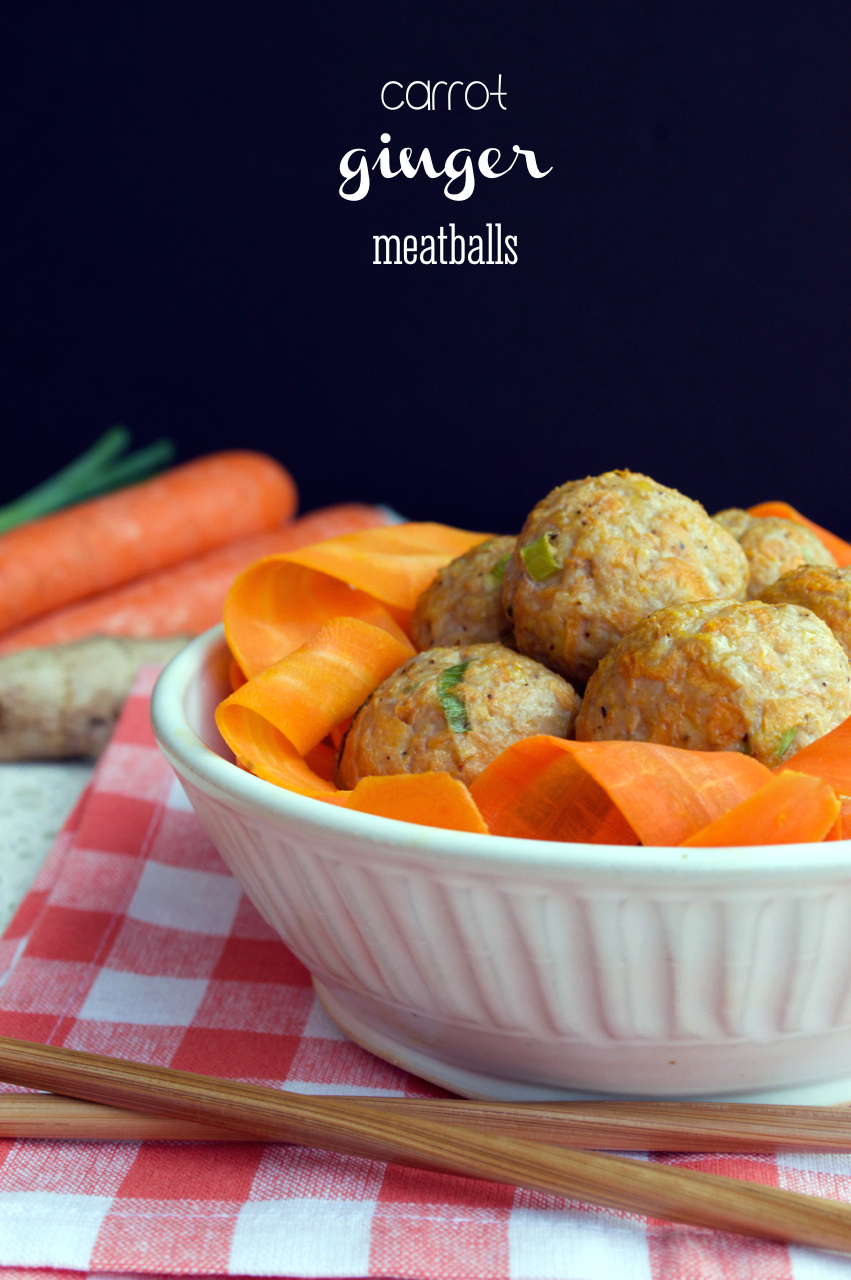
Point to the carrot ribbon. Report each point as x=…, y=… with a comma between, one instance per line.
x=431, y=799
x=263, y=750
x=828, y=758
x=311, y=690
x=662, y=794
x=791, y=808
x=845, y=820
x=374, y=574
x=537, y=790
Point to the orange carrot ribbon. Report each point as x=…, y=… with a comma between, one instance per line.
x=663, y=794
x=311, y=690
x=537, y=790
x=790, y=809
x=431, y=799
x=263, y=750
x=828, y=758
x=374, y=574
x=845, y=820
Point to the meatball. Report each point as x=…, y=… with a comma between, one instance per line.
x=455, y=710
x=598, y=555
x=464, y=603
x=721, y=675
x=734, y=520
x=774, y=546
x=826, y=591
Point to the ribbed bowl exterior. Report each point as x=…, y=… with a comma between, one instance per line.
x=629, y=971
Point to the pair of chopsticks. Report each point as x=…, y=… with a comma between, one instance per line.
x=500, y=1142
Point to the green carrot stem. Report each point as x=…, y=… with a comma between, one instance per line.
x=136, y=466
x=52, y=493
x=99, y=470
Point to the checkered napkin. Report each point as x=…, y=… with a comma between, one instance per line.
x=136, y=941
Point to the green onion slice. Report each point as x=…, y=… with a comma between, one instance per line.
x=786, y=741
x=497, y=573
x=453, y=708
x=540, y=558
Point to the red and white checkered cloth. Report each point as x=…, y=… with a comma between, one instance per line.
x=136, y=941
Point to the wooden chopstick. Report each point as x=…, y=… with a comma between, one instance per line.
x=44, y=1115
x=600, y=1126
x=380, y=1132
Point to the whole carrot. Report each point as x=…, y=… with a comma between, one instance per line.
x=110, y=540
x=187, y=598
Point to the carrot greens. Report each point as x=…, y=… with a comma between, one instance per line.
x=105, y=466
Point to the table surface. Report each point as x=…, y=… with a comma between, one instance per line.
x=35, y=799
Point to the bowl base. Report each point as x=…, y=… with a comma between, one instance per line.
x=472, y=1084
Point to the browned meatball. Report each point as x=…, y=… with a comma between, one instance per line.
x=721, y=676
x=598, y=555
x=774, y=546
x=735, y=520
x=464, y=603
x=824, y=590
x=455, y=710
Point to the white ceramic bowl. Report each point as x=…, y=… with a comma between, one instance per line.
x=529, y=969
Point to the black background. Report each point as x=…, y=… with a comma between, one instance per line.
x=176, y=256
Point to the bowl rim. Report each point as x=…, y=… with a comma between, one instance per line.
x=219, y=777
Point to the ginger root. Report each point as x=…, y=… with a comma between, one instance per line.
x=64, y=700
